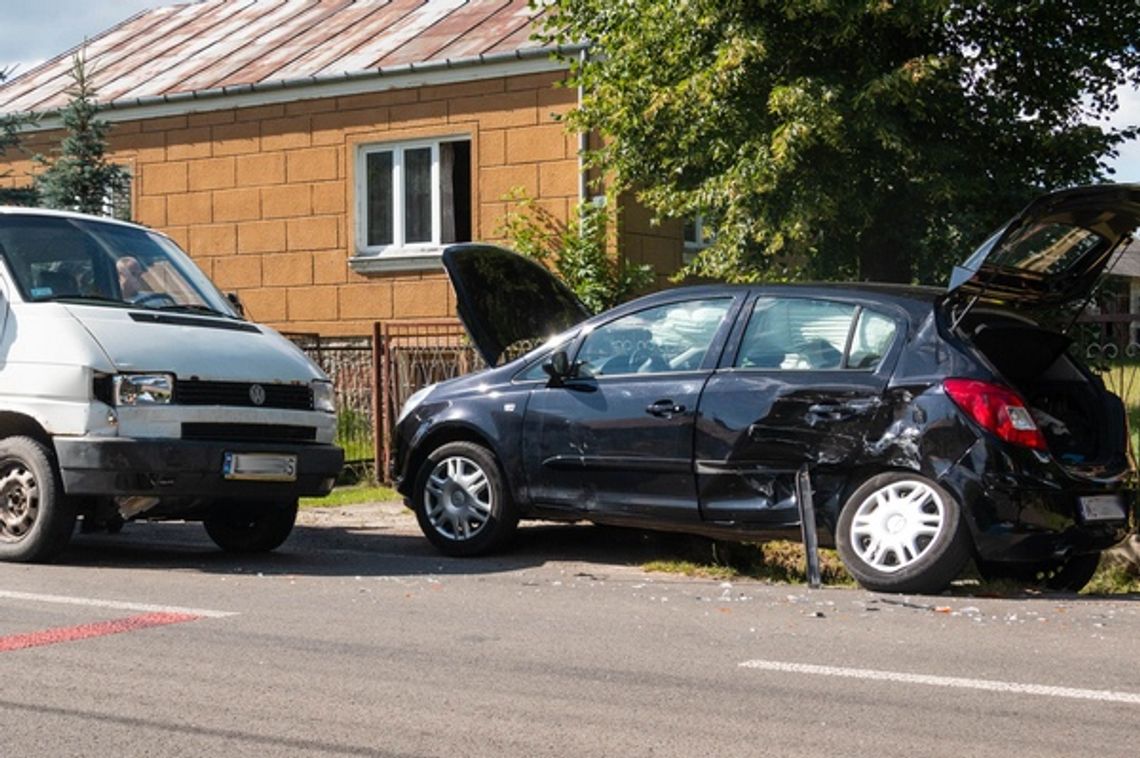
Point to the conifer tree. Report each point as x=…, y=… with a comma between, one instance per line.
x=10, y=125
x=79, y=177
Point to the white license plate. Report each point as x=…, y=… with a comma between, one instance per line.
x=265, y=467
x=1102, y=508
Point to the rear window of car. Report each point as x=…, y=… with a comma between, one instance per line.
x=798, y=334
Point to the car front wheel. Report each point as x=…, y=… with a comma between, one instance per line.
x=238, y=527
x=901, y=532
x=461, y=500
x=36, y=517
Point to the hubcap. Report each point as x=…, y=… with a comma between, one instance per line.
x=457, y=498
x=19, y=502
x=897, y=524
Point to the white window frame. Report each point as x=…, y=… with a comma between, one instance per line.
x=691, y=248
x=399, y=254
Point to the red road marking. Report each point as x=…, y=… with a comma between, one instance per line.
x=86, y=631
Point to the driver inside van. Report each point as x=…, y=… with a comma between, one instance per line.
x=130, y=271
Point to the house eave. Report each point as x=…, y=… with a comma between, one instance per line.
x=448, y=71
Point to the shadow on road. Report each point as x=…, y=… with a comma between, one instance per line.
x=354, y=551
x=385, y=551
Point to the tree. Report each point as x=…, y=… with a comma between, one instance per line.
x=80, y=178
x=577, y=252
x=10, y=126
x=848, y=138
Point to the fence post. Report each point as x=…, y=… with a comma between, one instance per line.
x=379, y=404
x=807, y=525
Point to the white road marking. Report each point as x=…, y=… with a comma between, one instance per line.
x=115, y=604
x=990, y=685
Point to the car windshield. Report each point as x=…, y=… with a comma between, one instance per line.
x=59, y=258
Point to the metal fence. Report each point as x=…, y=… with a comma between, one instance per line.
x=350, y=363
x=412, y=356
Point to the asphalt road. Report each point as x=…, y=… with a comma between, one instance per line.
x=357, y=639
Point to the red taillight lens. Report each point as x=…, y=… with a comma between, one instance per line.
x=996, y=409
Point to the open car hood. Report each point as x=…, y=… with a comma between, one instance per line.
x=1054, y=251
x=508, y=303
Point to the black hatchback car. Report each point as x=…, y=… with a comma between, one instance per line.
x=936, y=425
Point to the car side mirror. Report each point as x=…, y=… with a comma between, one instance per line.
x=558, y=367
x=235, y=301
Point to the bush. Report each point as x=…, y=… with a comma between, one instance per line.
x=577, y=252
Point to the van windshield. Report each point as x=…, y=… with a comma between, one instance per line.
x=59, y=258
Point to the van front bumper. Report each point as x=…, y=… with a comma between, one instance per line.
x=185, y=468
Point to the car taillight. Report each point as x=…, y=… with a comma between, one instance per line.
x=996, y=409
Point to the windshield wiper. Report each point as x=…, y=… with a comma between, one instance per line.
x=193, y=308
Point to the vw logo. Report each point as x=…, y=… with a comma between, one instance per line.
x=257, y=394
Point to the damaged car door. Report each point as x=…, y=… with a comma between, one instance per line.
x=615, y=434
x=801, y=382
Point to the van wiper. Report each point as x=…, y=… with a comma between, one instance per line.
x=193, y=308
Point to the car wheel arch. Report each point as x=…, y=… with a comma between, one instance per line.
x=444, y=434
x=860, y=475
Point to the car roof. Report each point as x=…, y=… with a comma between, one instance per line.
x=915, y=299
x=20, y=210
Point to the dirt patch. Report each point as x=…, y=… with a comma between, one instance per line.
x=394, y=517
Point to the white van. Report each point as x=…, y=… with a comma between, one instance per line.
x=130, y=387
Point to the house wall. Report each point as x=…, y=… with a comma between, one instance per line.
x=263, y=197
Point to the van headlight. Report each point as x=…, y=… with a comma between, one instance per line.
x=324, y=399
x=415, y=399
x=143, y=389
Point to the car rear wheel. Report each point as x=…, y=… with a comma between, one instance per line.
x=242, y=527
x=461, y=500
x=36, y=517
x=901, y=532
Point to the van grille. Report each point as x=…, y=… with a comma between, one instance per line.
x=248, y=432
x=196, y=392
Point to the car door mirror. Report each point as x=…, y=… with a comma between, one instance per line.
x=235, y=302
x=558, y=367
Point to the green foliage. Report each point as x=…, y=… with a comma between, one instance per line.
x=353, y=495
x=79, y=178
x=847, y=138
x=774, y=561
x=577, y=252
x=10, y=126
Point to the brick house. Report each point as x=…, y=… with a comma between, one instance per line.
x=315, y=155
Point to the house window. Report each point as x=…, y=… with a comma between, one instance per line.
x=413, y=196
x=117, y=200
x=696, y=237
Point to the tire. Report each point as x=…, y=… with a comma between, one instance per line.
x=461, y=500
x=36, y=517
x=250, y=527
x=1066, y=575
x=902, y=532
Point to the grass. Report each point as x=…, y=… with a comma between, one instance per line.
x=782, y=561
x=775, y=561
x=356, y=494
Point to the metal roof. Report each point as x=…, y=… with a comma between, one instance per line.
x=1127, y=262
x=216, y=47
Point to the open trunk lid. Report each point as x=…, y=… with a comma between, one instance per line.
x=505, y=299
x=1054, y=251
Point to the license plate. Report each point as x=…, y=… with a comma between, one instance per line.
x=264, y=467
x=1102, y=508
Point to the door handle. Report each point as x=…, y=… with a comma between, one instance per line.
x=664, y=409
